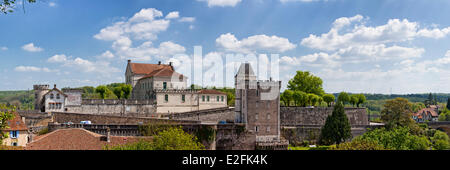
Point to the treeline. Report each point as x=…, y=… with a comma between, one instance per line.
x=440, y=97
x=21, y=99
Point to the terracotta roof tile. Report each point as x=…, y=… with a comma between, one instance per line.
x=16, y=123
x=164, y=72
x=77, y=139
x=141, y=68
x=210, y=91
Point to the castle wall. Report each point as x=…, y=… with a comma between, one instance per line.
x=211, y=115
x=134, y=108
x=292, y=116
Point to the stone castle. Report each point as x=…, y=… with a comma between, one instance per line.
x=158, y=90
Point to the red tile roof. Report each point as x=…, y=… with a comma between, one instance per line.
x=427, y=111
x=16, y=123
x=163, y=72
x=77, y=139
x=141, y=68
x=210, y=91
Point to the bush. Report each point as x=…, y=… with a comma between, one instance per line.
x=440, y=141
x=398, y=138
x=359, y=144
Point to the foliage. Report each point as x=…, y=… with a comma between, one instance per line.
x=170, y=138
x=123, y=91
x=230, y=95
x=306, y=82
x=398, y=138
x=176, y=139
x=343, y=98
x=205, y=134
x=448, y=103
x=7, y=6
x=328, y=98
x=359, y=144
x=153, y=129
x=397, y=113
x=353, y=100
x=23, y=99
x=6, y=114
x=287, y=96
x=440, y=140
x=337, y=127
x=445, y=115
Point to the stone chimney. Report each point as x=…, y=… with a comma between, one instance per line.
x=170, y=63
x=159, y=62
x=129, y=61
x=54, y=86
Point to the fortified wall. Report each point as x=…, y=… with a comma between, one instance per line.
x=301, y=124
x=129, y=108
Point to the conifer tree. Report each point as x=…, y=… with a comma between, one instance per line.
x=337, y=127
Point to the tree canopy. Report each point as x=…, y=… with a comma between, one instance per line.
x=306, y=82
x=6, y=114
x=397, y=112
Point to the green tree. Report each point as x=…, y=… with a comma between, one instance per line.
x=343, y=98
x=288, y=96
x=337, y=127
x=103, y=91
x=398, y=138
x=6, y=114
x=361, y=99
x=440, y=141
x=306, y=82
x=415, y=107
x=354, y=100
x=313, y=99
x=397, y=112
x=118, y=92
x=176, y=139
x=126, y=90
x=328, y=98
x=299, y=98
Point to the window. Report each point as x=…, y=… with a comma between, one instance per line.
x=183, y=98
x=51, y=96
x=268, y=116
x=14, y=144
x=256, y=116
x=58, y=96
x=222, y=98
x=217, y=98
x=207, y=98
x=203, y=98
x=165, y=85
x=13, y=134
x=256, y=128
x=268, y=129
x=166, y=98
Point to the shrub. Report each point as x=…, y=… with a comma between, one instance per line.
x=440, y=141
x=359, y=144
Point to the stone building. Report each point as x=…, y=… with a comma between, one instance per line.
x=254, y=106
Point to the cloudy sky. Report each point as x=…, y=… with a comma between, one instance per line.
x=383, y=46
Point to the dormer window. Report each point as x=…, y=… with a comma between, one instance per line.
x=58, y=96
x=51, y=96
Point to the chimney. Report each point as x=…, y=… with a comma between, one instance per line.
x=54, y=86
x=159, y=62
x=108, y=134
x=129, y=61
x=170, y=63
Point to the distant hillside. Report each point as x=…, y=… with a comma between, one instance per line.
x=22, y=99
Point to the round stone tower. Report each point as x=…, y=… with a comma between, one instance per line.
x=39, y=92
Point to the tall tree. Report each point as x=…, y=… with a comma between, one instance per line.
x=397, y=112
x=103, y=91
x=118, y=92
x=354, y=99
x=306, y=82
x=337, y=127
x=126, y=89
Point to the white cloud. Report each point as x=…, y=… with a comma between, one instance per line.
x=221, y=3
x=254, y=43
x=52, y=4
x=187, y=19
x=3, y=48
x=285, y=1
x=58, y=58
x=106, y=55
x=173, y=15
x=395, y=30
x=31, y=48
x=144, y=26
x=32, y=69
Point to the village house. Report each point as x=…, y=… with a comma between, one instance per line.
x=17, y=132
x=427, y=114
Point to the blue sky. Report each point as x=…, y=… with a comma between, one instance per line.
x=382, y=46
